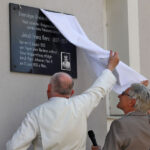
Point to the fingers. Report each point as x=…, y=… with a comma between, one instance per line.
x=113, y=60
x=95, y=148
x=148, y=112
x=111, y=53
x=116, y=55
x=145, y=82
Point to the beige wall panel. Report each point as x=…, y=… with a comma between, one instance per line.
x=144, y=34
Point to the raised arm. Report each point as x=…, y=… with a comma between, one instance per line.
x=91, y=97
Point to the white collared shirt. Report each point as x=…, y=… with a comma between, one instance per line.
x=60, y=123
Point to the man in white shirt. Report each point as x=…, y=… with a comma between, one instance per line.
x=61, y=123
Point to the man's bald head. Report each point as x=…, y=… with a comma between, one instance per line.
x=62, y=83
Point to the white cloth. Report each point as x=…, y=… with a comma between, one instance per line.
x=98, y=57
x=61, y=123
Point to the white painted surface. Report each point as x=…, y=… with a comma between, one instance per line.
x=19, y=92
x=117, y=40
x=144, y=34
x=133, y=31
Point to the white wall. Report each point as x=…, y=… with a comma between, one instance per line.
x=117, y=39
x=144, y=36
x=20, y=92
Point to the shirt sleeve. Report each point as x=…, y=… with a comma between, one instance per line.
x=90, y=98
x=24, y=136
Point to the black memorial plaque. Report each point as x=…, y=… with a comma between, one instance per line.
x=36, y=46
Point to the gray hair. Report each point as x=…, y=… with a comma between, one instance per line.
x=62, y=85
x=142, y=95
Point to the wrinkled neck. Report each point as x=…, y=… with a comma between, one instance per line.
x=129, y=110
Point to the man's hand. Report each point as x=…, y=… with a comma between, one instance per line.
x=145, y=82
x=113, y=60
x=95, y=148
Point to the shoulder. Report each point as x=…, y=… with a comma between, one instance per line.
x=120, y=124
x=124, y=119
x=116, y=123
x=124, y=122
x=38, y=109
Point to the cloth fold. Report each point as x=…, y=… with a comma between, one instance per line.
x=70, y=28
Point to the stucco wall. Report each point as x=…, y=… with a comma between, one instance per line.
x=20, y=92
x=144, y=30
x=117, y=39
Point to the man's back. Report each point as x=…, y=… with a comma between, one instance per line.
x=131, y=132
x=61, y=125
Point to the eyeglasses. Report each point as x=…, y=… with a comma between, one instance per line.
x=124, y=93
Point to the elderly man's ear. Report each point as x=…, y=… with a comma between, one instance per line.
x=49, y=87
x=48, y=90
x=132, y=103
x=72, y=92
